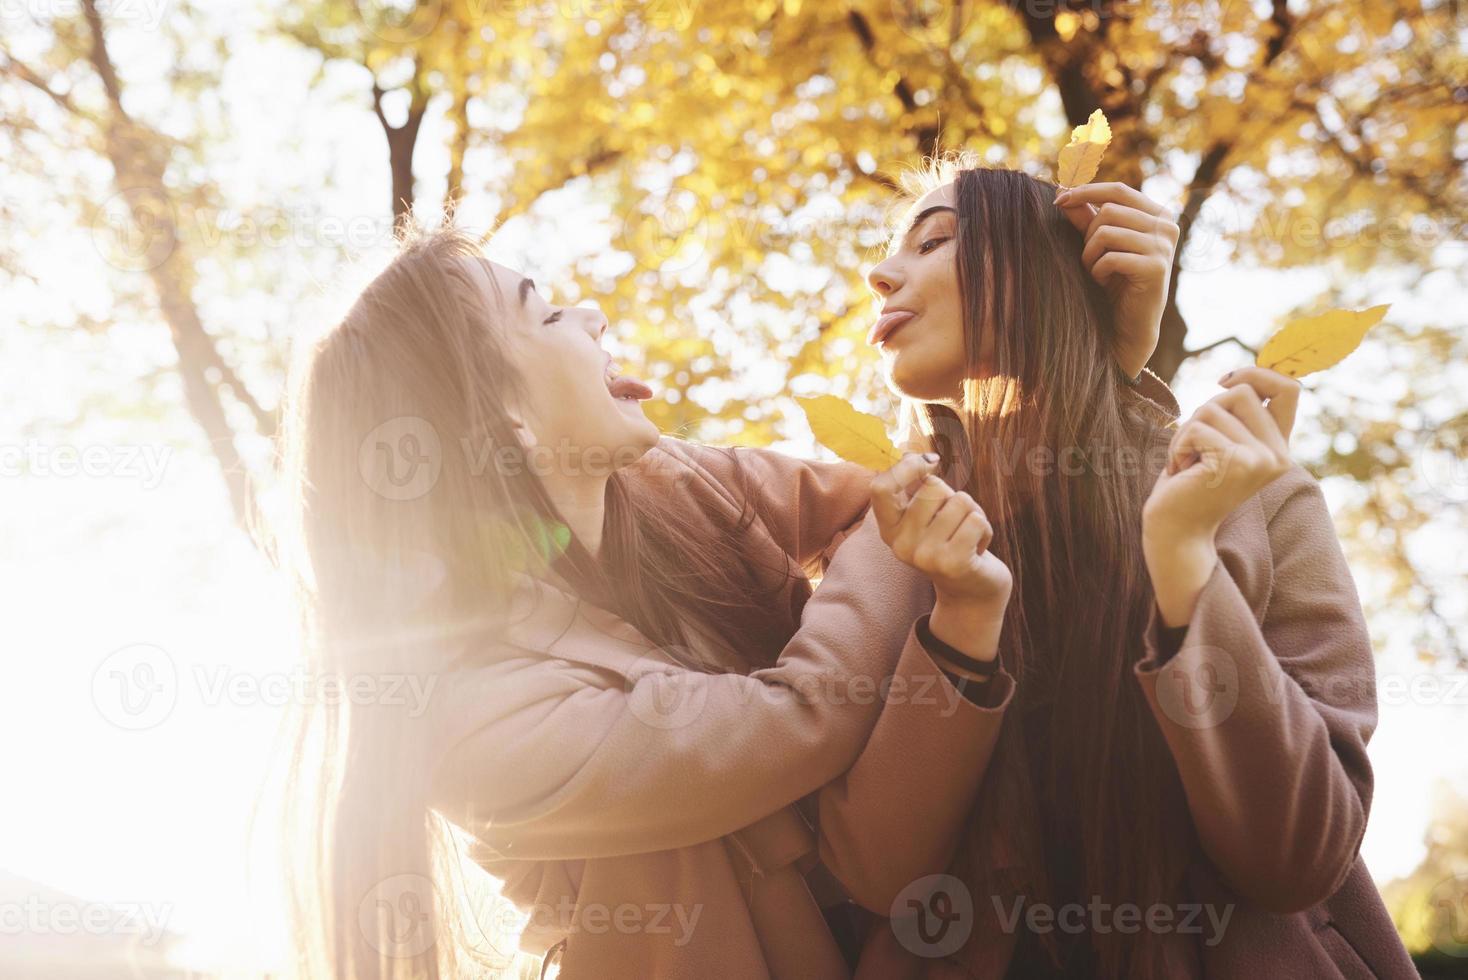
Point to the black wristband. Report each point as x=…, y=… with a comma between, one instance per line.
x=937, y=648
x=1127, y=379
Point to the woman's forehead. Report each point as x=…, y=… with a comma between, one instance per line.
x=493, y=279
x=941, y=196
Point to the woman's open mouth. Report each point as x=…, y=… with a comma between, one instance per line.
x=886, y=325
x=628, y=389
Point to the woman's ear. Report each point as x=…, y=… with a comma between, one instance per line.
x=524, y=432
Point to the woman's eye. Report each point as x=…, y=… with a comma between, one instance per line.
x=553, y=317
x=930, y=244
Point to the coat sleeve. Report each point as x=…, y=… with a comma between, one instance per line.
x=1268, y=704
x=545, y=892
x=547, y=759
x=897, y=815
x=804, y=504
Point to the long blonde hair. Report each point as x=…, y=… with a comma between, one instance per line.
x=408, y=528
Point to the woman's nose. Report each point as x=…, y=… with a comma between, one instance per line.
x=883, y=278
x=596, y=322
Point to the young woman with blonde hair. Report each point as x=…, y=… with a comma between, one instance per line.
x=635, y=705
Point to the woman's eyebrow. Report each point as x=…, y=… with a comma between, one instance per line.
x=526, y=285
x=927, y=213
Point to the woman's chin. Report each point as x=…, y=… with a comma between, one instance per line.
x=920, y=379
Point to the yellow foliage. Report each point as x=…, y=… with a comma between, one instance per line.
x=1315, y=343
x=854, y=436
x=1081, y=157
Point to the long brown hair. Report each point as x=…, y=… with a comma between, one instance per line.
x=1061, y=454
x=408, y=526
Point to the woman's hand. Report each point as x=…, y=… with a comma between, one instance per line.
x=1130, y=242
x=945, y=535
x=1232, y=447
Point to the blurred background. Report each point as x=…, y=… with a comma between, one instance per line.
x=186, y=186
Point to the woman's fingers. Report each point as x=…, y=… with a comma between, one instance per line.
x=1112, y=239
x=933, y=539
x=1221, y=417
x=1157, y=229
x=1195, y=441
x=1244, y=404
x=890, y=490
x=1110, y=192
x=925, y=502
x=1281, y=391
x=1128, y=265
x=1080, y=215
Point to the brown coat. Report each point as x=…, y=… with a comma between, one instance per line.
x=647, y=814
x=1267, y=707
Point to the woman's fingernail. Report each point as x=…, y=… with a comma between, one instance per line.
x=1225, y=377
x=1062, y=197
x=931, y=457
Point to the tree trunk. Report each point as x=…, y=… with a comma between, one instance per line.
x=138, y=175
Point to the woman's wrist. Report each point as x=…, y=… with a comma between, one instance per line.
x=971, y=626
x=1180, y=565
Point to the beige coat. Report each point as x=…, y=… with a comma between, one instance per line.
x=576, y=798
x=1273, y=763
x=647, y=814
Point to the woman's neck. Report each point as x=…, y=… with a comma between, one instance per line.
x=582, y=504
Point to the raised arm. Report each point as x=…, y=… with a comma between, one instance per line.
x=549, y=756
x=898, y=813
x=804, y=504
x=1268, y=721
x=1269, y=700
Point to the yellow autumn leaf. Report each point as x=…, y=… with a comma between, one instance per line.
x=1080, y=158
x=854, y=436
x=1315, y=343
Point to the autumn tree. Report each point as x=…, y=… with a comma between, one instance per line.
x=134, y=218
x=748, y=153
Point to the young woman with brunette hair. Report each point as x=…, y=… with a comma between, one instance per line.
x=1179, y=602
x=620, y=712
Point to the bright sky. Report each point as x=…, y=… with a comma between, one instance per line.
x=132, y=570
